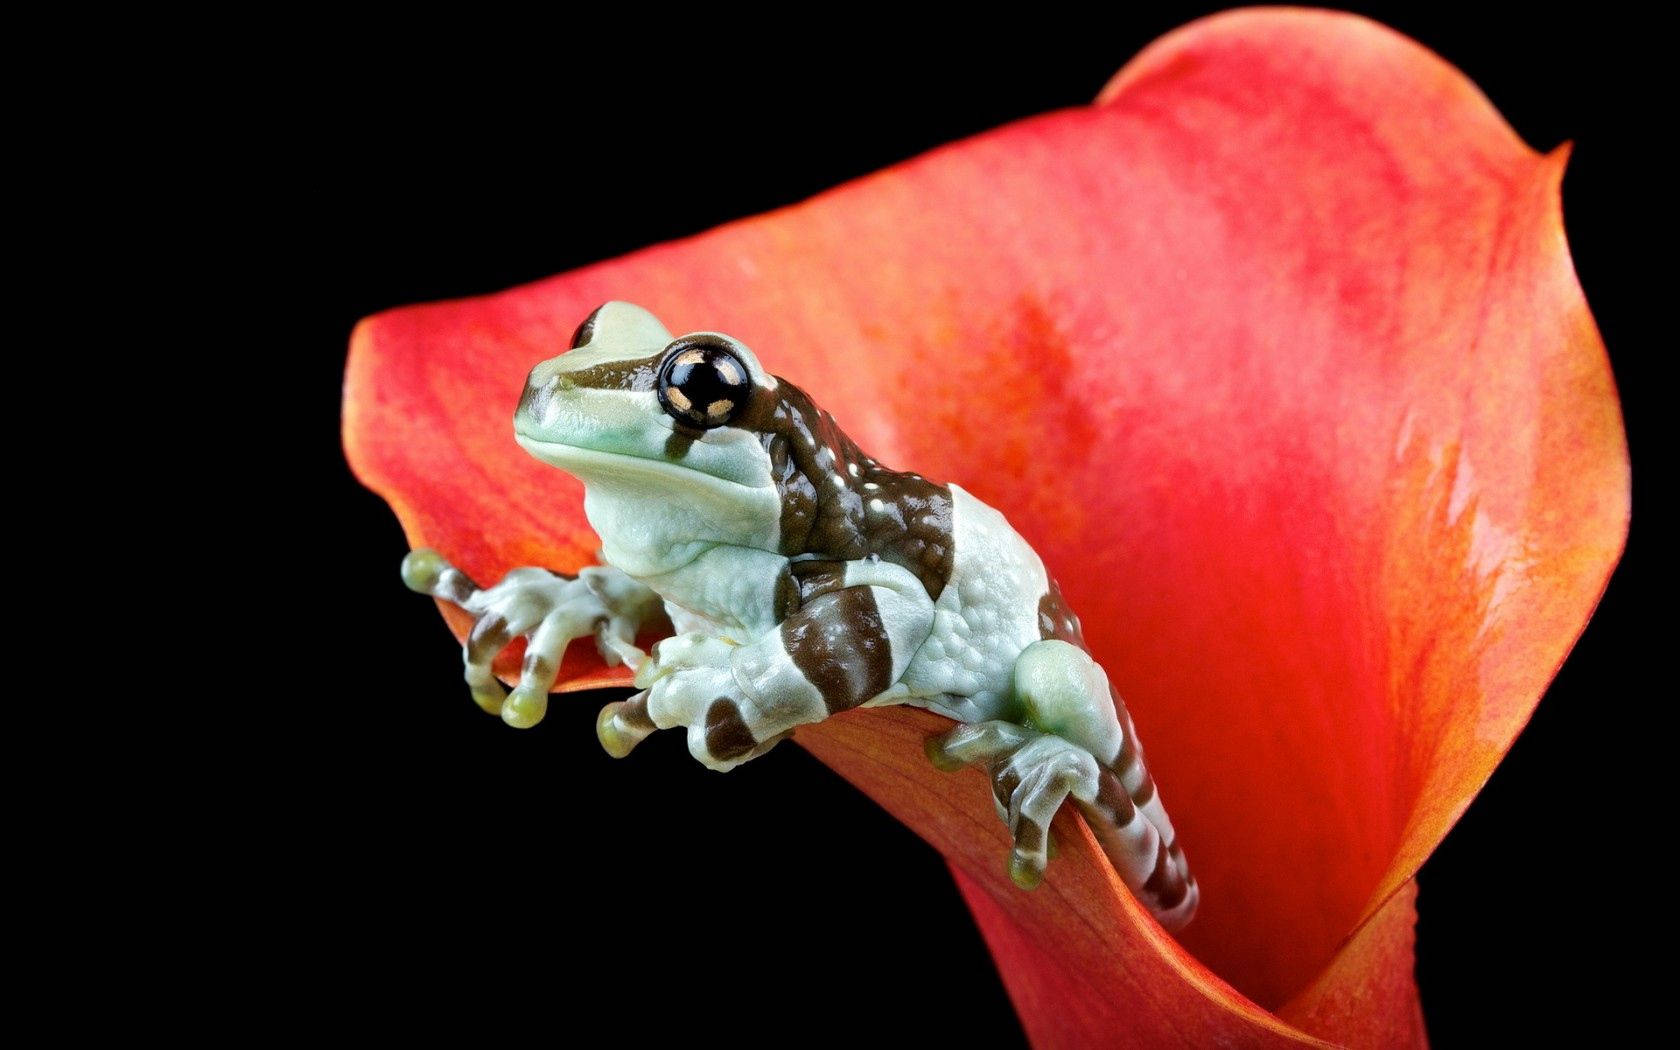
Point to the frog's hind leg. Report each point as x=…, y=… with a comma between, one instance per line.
x=1077, y=742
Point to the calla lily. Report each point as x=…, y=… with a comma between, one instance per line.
x=1276, y=354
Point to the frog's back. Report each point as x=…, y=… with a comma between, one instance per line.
x=991, y=594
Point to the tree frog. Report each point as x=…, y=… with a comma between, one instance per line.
x=803, y=578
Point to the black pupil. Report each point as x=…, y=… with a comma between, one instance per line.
x=703, y=385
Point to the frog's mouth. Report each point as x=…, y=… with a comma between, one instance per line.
x=593, y=466
x=604, y=433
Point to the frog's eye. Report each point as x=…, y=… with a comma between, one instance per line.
x=702, y=383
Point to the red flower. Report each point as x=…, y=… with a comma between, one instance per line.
x=1340, y=475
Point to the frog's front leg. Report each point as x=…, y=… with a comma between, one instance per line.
x=550, y=610
x=852, y=636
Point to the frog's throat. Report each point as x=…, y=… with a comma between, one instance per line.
x=592, y=466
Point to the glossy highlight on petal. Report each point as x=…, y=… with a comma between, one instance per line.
x=1294, y=390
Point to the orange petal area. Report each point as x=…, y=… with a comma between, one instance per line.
x=1465, y=446
x=1366, y=996
x=1278, y=359
x=1083, y=961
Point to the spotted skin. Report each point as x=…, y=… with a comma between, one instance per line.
x=840, y=504
x=1056, y=620
x=804, y=578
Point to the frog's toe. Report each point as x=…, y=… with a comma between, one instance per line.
x=1030, y=787
x=428, y=572
x=976, y=743
x=680, y=653
x=528, y=702
x=617, y=645
x=487, y=693
x=1034, y=848
x=421, y=568
x=942, y=759
x=623, y=725
x=1026, y=868
x=524, y=707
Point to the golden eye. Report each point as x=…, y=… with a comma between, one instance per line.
x=702, y=383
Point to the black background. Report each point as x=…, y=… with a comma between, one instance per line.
x=468, y=870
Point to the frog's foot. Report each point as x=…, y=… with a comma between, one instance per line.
x=688, y=682
x=1032, y=773
x=549, y=610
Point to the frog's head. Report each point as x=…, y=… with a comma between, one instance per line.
x=661, y=432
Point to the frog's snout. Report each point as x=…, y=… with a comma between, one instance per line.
x=547, y=384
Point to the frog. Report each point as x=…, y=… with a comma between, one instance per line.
x=801, y=578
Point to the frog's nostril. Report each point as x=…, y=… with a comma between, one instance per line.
x=530, y=402
x=533, y=403
x=539, y=402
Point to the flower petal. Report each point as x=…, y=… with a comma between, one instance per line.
x=1083, y=961
x=1276, y=356
x=1438, y=379
x=1367, y=996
